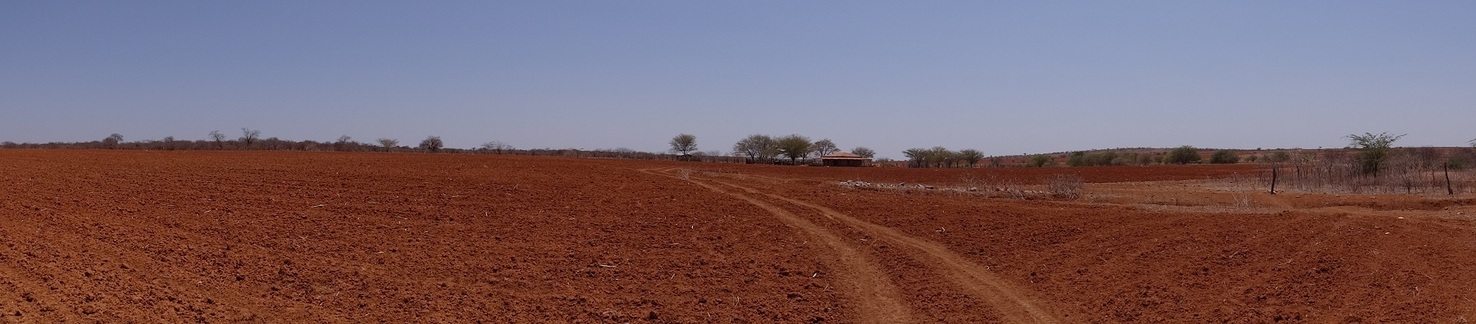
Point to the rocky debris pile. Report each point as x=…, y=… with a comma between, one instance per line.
x=1002, y=191
x=858, y=184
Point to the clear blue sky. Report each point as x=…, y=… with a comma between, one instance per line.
x=1005, y=77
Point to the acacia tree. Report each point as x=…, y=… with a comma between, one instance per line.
x=388, y=143
x=941, y=157
x=794, y=147
x=757, y=147
x=864, y=152
x=971, y=156
x=249, y=136
x=219, y=139
x=432, y=144
x=823, y=147
x=684, y=144
x=1373, y=150
x=916, y=157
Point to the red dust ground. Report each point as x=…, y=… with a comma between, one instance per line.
x=352, y=237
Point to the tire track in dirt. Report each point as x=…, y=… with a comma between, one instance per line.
x=1014, y=304
x=877, y=298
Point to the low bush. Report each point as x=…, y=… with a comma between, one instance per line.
x=1224, y=157
x=1065, y=186
x=1182, y=155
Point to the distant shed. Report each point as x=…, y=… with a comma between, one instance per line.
x=844, y=159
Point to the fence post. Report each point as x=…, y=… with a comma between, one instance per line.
x=1274, y=167
x=1448, y=190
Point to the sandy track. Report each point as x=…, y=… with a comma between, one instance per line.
x=876, y=297
x=1014, y=304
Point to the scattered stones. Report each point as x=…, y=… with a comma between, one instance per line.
x=1006, y=191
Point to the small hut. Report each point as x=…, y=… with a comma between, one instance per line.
x=844, y=159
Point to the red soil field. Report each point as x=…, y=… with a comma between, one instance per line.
x=352, y=237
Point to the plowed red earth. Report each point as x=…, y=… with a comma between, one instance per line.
x=355, y=237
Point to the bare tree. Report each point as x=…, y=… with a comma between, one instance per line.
x=218, y=138
x=864, y=152
x=684, y=144
x=344, y=143
x=111, y=142
x=496, y=146
x=169, y=143
x=249, y=136
x=823, y=147
x=431, y=144
x=757, y=147
x=1425, y=156
x=388, y=143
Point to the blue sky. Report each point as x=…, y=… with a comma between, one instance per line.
x=1004, y=77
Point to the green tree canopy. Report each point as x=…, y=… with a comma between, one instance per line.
x=917, y=157
x=794, y=147
x=971, y=156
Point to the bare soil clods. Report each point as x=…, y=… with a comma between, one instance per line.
x=278, y=236
x=284, y=236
